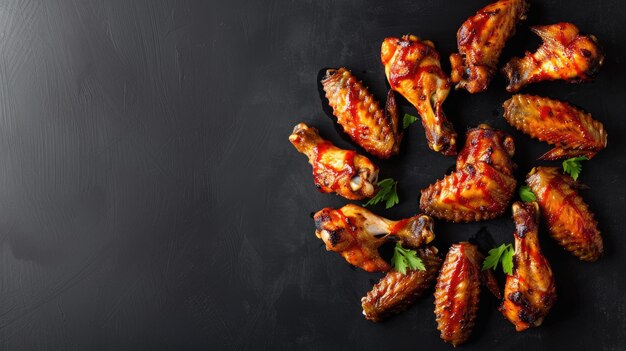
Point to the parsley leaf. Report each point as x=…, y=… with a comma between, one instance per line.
x=388, y=192
x=573, y=167
x=408, y=120
x=507, y=261
x=405, y=258
x=502, y=253
x=526, y=194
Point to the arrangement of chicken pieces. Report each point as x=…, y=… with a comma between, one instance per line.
x=569, y=220
x=357, y=233
x=335, y=170
x=480, y=40
x=413, y=69
x=564, y=54
x=572, y=131
x=359, y=114
x=482, y=185
x=457, y=292
x=395, y=292
x=530, y=291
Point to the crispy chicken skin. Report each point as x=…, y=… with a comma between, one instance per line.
x=413, y=69
x=564, y=54
x=335, y=170
x=480, y=40
x=569, y=220
x=457, y=292
x=530, y=291
x=482, y=185
x=356, y=234
x=484, y=144
x=374, y=129
x=396, y=292
x=572, y=131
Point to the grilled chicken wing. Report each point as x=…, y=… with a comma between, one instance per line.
x=572, y=131
x=457, y=292
x=359, y=114
x=413, y=69
x=395, y=292
x=493, y=147
x=564, y=54
x=570, y=222
x=482, y=185
x=357, y=233
x=335, y=170
x=480, y=40
x=529, y=292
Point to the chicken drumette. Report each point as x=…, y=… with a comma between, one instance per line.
x=395, y=292
x=530, y=291
x=413, y=69
x=572, y=131
x=482, y=185
x=356, y=233
x=457, y=292
x=564, y=54
x=360, y=115
x=569, y=220
x=480, y=40
x=335, y=170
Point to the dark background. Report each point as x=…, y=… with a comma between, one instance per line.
x=150, y=199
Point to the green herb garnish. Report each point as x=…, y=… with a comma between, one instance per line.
x=573, y=167
x=388, y=192
x=526, y=194
x=408, y=120
x=502, y=253
x=405, y=258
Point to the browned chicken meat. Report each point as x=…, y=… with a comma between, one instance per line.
x=457, y=292
x=572, y=131
x=395, y=292
x=480, y=40
x=356, y=233
x=359, y=114
x=335, y=170
x=530, y=291
x=482, y=185
x=413, y=69
x=564, y=54
x=569, y=220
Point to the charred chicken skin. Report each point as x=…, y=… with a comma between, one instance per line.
x=572, y=131
x=530, y=291
x=569, y=220
x=413, y=69
x=374, y=129
x=395, y=292
x=335, y=170
x=457, y=292
x=480, y=40
x=357, y=233
x=482, y=185
x=564, y=54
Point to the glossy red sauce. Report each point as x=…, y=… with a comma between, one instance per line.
x=324, y=172
x=472, y=28
x=459, y=307
x=351, y=229
x=403, y=68
x=399, y=225
x=352, y=107
x=545, y=113
x=489, y=174
x=554, y=206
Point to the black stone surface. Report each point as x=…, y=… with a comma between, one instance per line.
x=150, y=199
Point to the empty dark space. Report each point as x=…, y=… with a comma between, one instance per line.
x=150, y=198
